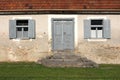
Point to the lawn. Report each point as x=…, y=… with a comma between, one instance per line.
x=33, y=71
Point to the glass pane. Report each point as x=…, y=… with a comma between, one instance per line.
x=96, y=22
x=25, y=28
x=19, y=28
x=25, y=32
x=99, y=32
x=93, y=33
x=19, y=32
x=99, y=28
x=22, y=22
x=93, y=28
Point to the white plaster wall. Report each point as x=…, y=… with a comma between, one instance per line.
x=24, y=50
x=100, y=51
x=106, y=51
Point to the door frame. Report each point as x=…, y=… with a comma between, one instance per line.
x=62, y=19
x=63, y=16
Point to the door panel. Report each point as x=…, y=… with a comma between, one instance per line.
x=57, y=35
x=63, y=35
x=68, y=35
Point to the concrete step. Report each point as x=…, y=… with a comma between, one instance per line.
x=64, y=56
x=67, y=60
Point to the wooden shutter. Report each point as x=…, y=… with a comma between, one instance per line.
x=57, y=35
x=106, y=28
x=31, y=29
x=12, y=29
x=87, y=29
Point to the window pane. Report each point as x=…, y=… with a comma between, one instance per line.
x=22, y=22
x=93, y=28
x=96, y=22
x=99, y=28
x=26, y=29
x=99, y=32
x=25, y=32
x=19, y=28
x=19, y=32
x=93, y=32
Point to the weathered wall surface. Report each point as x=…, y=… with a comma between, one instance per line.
x=106, y=51
x=100, y=52
x=24, y=50
x=31, y=50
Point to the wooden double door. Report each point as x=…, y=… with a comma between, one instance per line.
x=63, y=34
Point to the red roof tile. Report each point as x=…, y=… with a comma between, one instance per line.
x=10, y=5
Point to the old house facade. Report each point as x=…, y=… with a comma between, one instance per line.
x=33, y=29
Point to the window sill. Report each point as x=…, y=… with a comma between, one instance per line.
x=17, y=40
x=97, y=39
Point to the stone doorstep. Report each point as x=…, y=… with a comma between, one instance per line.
x=64, y=57
x=67, y=60
x=60, y=64
x=63, y=60
x=56, y=64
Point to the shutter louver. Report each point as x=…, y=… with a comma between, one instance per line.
x=87, y=29
x=12, y=29
x=31, y=29
x=106, y=28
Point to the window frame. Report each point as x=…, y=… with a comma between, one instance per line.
x=106, y=27
x=22, y=31
x=13, y=29
x=97, y=32
x=96, y=26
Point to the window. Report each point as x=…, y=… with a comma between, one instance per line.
x=96, y=22
x=22, y=32
x=22, y=29
x=96, y=29
x=96, y=32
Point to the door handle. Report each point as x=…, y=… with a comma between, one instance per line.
x=64, y=33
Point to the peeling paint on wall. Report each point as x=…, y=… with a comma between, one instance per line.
x=107, y=51
x=100, y=52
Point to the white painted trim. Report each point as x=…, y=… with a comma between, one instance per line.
x=97, y=40
x=21, y=18
x=63, y=16
x=18, y=40
x=96, y=17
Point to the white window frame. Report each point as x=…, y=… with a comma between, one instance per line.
x=96, y=29
x=30, y=35
x=99, y=18
x=22, y=31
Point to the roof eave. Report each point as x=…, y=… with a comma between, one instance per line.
x=60, y=11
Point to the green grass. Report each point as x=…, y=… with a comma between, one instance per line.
x=33, y=71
